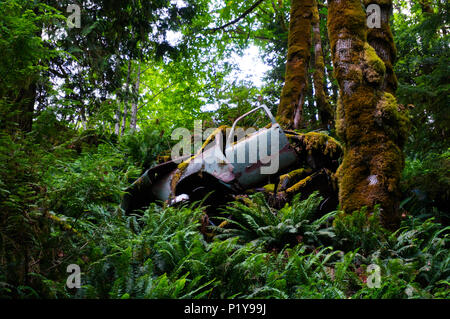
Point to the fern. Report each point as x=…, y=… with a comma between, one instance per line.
x=259, y=223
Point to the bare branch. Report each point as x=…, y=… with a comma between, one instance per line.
x=156, y=95
x=242, y=16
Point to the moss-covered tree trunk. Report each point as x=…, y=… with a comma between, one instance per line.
x=326, y=112
x=290, y=110
x=368, y=119
x=382, y=40
x=25, y=105
x=25, y=98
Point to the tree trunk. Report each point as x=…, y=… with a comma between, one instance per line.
x=368, y=119
x=25, y=103
x=83, y=117
x=126, y=98
x=290, y=110
x=134, y=105
x=26, y=97
x=124, y=118
x=326, y=112
x=382, y=40
x=117, y=120
x=329, y=69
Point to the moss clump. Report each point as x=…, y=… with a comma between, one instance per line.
x=375, y=69
x=270, y=188
x=64, y=224
x=296, y=172
x=394, y=121
x=379, y=2
x=314, y=141
x=182, y=166
x=382, y=40
x=316, y=150
x=293, y=177
x=178, y=173
x=163, y=158
x=296, y=187
x=322, y=142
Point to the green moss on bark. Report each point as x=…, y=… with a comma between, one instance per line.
x=382, y=40
x=290, y=110
x=369, y=122
x=326, y=111
x=375, y=69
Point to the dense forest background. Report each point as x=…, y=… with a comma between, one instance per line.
x=85, y=111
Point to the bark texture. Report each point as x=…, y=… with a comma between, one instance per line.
x=369, y=121
x=382, y=40
x=290, y=110
x=126, y=99
x=134, y=104
x=117, y=120
x=326, y=112
x=25, y=105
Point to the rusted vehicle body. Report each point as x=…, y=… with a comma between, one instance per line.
x=227, y=169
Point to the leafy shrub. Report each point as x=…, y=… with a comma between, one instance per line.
x=91, y=179
x=136, y=254
x=143, y=149
x=414, y=262
x=426, y=182
x=359, y=230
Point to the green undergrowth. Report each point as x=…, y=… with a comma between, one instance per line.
x=61, y=207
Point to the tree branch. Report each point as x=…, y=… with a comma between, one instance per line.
x=156, y=95
x=242, y=16
x=279, y=15
x=258, y=37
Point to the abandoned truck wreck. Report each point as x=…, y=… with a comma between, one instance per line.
x=278, y=162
